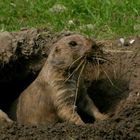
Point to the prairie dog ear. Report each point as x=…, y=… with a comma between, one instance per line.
x=57, y=62
x=57, y=59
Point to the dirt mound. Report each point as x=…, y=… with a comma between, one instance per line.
x=117, y=92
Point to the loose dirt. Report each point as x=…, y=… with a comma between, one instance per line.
x=116, y=92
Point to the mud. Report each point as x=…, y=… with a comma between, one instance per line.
x=116, y=91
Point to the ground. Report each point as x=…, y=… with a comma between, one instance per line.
x=116, y=92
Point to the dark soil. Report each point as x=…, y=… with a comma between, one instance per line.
x=118, y=95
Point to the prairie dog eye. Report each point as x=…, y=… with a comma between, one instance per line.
x=73, y=43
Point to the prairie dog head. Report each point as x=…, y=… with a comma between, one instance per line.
x=70, y=48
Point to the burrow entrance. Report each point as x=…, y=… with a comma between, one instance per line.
x=105, y=95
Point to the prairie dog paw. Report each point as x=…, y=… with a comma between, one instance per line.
x=4, y=117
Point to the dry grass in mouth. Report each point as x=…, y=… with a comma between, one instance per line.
x=78, y=83
x=96, y=60
x=97, y=64
x=74, y=71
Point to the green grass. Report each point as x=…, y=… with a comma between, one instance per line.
x=110, y=18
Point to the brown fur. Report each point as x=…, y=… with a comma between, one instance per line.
x=49, y=99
